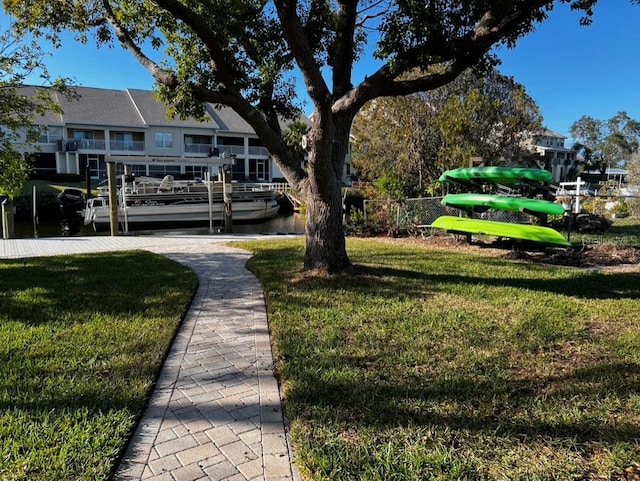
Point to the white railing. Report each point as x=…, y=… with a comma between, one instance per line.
x=197, y=148
x=127, y=145
x=90, y=144
x=231, y=149
x=260, y=151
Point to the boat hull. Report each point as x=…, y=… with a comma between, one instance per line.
x=533, y=233
x=496, y=175
x=480, y=202
x=147, y=203
x=145, y=216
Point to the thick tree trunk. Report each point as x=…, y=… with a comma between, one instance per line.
x=325, y=243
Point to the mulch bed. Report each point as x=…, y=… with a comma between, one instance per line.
x=589, y=256
x=598, y=255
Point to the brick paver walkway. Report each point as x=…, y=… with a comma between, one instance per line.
x=215, y=413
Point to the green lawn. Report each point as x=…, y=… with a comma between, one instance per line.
x=429, y=364
x=81, y=342
x=439, y=365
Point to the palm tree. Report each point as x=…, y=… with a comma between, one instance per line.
x=295, y=137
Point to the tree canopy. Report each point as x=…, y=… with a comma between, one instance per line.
x=606, y=143
x=19, y=110
x=419, y=136
x=246, y=54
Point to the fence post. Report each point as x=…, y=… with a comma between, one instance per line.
x=7, y=219
x=364, y=211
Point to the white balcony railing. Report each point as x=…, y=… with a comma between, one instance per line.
x=127, y=145
x=260, y=151
x=90, y=144
x=197, y=148
x=231, y=149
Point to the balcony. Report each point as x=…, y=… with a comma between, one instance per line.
x=67, y=145
x=258, y=151
x=198, y=150
x=90, y=144
x=75, y=145
x=127, y=146
x=231, y=149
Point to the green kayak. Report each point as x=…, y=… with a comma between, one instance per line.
x=481, y=202
x=533, y=233
x=496, y=175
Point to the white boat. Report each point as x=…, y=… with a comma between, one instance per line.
x=146, y=202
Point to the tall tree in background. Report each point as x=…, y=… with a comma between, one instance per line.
x=606, y=143
x=18, y=111
x=419, y=136
x=244, y=54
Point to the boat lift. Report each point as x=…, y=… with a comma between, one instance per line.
x=224, y=162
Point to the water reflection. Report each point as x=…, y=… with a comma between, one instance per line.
x=282, y=224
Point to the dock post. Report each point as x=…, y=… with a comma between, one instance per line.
x=227, y=189
x=113, y=198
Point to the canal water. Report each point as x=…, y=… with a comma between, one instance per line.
x=282, y=224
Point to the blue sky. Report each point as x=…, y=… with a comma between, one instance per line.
x=569, y=70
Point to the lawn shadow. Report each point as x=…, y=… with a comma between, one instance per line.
x=37, y=290
x=580, y=284
x=482, y=405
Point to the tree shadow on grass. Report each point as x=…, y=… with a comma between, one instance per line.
x=487, y=406
x=82, y=328
x=114, y=284
x=591, y=285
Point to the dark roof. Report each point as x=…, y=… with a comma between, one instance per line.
x=137, y=109
x=551, y=133
x=100, y=107
x=154, y=112
x=49, y=118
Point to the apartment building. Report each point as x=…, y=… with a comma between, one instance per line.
x=133, y=127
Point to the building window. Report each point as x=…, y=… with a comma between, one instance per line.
x=236, y=141
x=139, y=170
x=159, y=170
x=122, y=141
x=50, y=135
x=195, y=172
x=164, y=140
x=83, y=134
x=238, y=170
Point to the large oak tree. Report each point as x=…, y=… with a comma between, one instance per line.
x=243, y=54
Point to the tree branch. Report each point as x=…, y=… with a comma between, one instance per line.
x=220, y=66
x=302, y=51
x=461, y=54
x=159, y=74
x=346, y=16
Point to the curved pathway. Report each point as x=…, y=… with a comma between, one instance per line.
x=215, y=413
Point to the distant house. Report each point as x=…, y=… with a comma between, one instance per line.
x=544, y=150
x=560, y=160
x=131, y=125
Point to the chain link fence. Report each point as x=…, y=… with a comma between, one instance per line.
x=385, y=215
x=410, y=214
